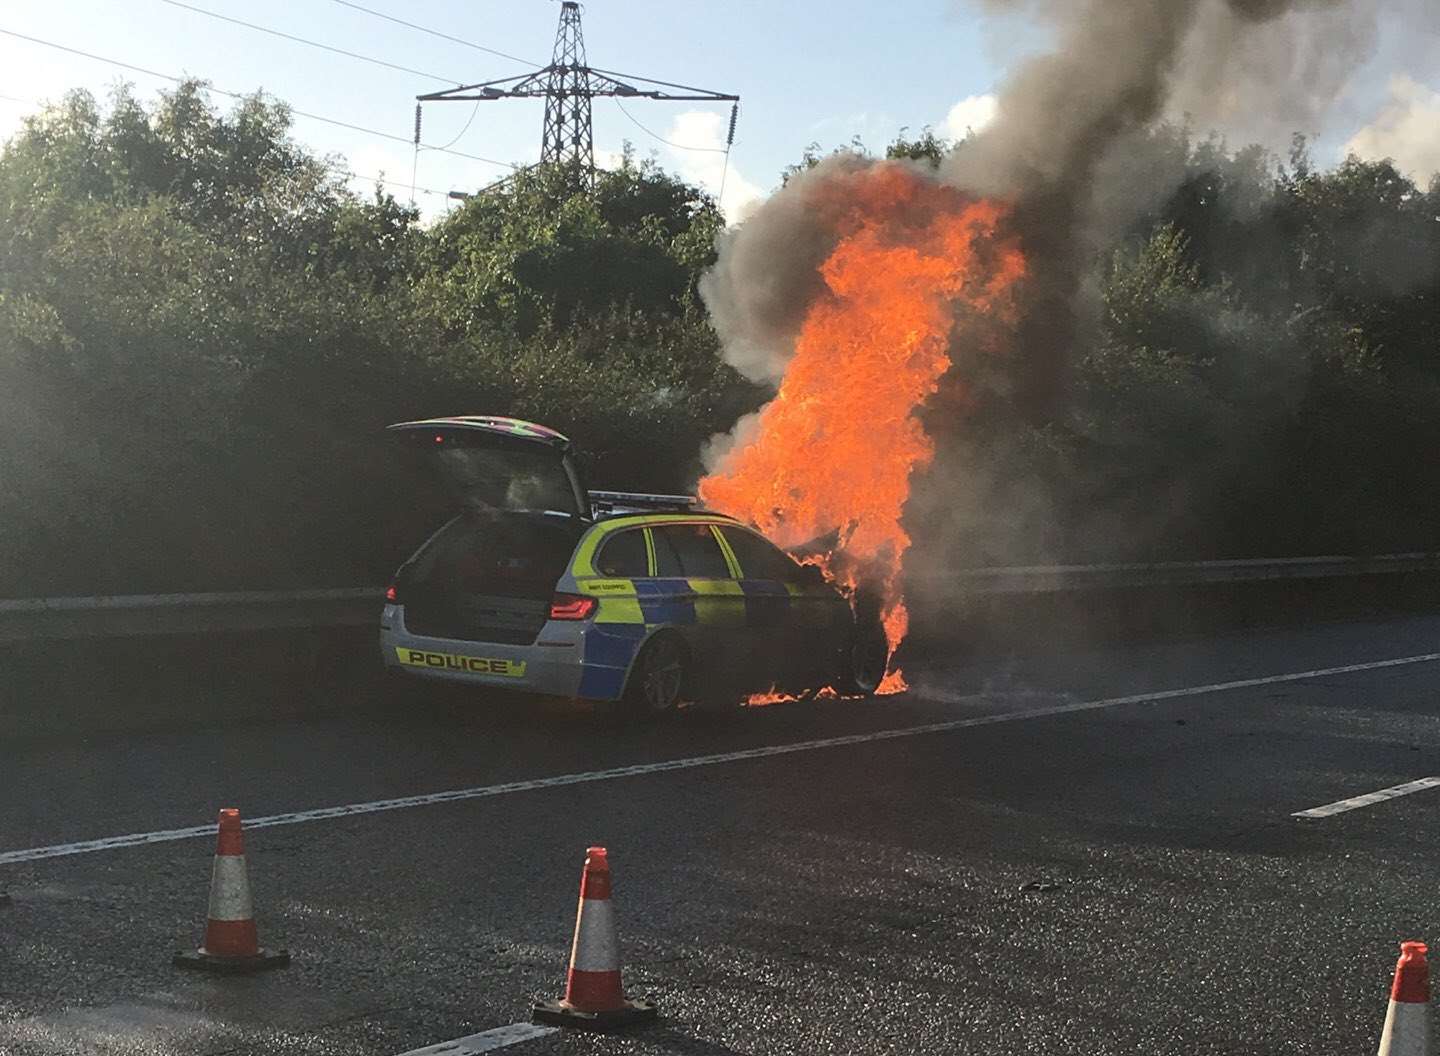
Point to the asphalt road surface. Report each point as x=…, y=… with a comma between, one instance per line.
x=1076, y=851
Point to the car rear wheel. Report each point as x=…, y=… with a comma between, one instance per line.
x=656, y=679
x=866, y=655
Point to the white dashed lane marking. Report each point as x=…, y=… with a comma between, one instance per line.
x=486, y=1041
x=1369, y=799
x=108, y=843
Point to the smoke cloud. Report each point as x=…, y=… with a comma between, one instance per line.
x=1117, y=66
x=1061, y=116
x=1061, y=152
x=767, y=273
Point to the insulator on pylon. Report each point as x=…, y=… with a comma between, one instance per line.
x=417, y=124
x=734, y=113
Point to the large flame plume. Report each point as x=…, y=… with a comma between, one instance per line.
x=831, y=457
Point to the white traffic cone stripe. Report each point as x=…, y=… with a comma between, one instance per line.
x=230, y=889
x=1407, y=1030
x=596, y=947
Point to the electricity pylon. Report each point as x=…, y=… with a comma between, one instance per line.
x=567, y=86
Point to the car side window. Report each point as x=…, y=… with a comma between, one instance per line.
x=624, y=555
x=759, y=558
x=688, y=550
x=667, y=561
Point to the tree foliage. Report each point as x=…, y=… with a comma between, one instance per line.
x=202, y=332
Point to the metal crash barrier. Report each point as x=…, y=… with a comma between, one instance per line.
x=33, y=619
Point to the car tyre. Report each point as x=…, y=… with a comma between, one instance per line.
x=865, y=657
x=657, y=679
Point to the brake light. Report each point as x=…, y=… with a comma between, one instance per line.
x=572, y=607
x=392, y=594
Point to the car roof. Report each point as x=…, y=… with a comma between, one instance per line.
x=639, y=520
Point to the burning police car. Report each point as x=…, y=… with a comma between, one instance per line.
x=633, y=601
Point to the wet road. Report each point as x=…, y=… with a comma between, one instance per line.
x=1074, y=851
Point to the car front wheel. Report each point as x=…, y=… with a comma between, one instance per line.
x=865, y=658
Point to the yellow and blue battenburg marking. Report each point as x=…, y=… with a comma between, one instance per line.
x=666, y=601
x=630, y=610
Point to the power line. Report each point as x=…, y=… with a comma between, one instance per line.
x=350, y=174
x=240, y=95
x=662, y=139
x=437, y=33
x=311, y=43
x=468, y=122
x=380, y=178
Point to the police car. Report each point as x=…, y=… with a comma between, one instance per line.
x=636, y=602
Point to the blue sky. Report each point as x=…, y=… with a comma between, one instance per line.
x=806, y=71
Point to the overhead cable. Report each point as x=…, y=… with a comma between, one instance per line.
x=662, y=139
x=241, y=95
x=437, y=33
x=312, y=43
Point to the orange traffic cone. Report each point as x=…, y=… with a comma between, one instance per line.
x=594, y=998
x=1407, y=1020
x=231, y=943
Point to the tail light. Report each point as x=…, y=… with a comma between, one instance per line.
x=392, y=594
x=572, y=607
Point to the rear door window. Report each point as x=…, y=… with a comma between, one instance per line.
x=688, y=550
x=624, y=555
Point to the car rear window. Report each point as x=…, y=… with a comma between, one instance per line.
x=759, y=558
x=688, y=550
x=624, y=555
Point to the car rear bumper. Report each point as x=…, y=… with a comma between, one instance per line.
x=554, y=665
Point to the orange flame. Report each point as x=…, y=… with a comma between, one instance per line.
x=835, y=450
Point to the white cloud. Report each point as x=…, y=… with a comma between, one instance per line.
x=1407, y=130
x=608, y=159
x=706, y=166
x=970, y=114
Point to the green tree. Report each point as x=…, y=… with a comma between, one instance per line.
x=535, y=252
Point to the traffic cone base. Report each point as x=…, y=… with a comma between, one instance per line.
x=564, y=1014
x=231, y=964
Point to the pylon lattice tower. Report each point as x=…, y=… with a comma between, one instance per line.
x=568, y=85
x=568, y=137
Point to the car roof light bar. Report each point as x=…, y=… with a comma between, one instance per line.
x=616, y=501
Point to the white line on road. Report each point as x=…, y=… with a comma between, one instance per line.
x=487, y=1041
x=60, y=850
x=1369, y=799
